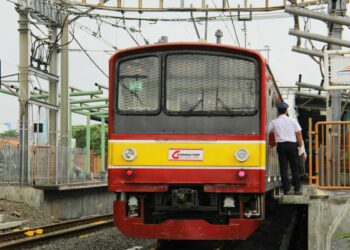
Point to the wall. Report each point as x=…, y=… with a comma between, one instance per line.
x=329, y=217
x=71, y=203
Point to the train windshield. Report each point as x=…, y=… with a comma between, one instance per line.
x=139, y=86
x=192, y=92
x=199, y=84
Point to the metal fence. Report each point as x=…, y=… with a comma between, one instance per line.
x=329, y=160
x=9, y=164
x=47, y=165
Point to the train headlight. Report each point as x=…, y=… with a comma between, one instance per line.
x=241, y=155
x=129, y=154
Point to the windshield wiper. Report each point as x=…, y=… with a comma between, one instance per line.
x=218, y=99
x=227, y=108
x=195, y=105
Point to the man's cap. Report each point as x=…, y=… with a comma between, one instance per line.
x=282, y=105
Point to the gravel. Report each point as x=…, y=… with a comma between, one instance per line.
x=107, y=238
x=269, y=236
x=17, y=211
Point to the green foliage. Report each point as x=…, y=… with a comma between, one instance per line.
x=344, y=235
x=9, y=133
x=79, y=133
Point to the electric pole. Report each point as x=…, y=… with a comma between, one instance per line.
x=335, y=8
x=64, y=100
x=23, y=96
x=53, y=86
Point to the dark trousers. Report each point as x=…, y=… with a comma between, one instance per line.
x=288, y=152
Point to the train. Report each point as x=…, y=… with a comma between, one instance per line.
x=188, y=153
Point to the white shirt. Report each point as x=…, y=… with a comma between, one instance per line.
x=284, y=128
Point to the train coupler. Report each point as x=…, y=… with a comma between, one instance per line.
x=185, y=198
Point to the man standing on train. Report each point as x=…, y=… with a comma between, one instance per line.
x=288, y=137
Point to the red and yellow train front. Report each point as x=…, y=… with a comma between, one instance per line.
x=187, y=145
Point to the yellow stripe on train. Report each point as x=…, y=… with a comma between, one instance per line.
x=168, y=153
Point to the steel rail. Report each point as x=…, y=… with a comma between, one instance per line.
x=18, y=238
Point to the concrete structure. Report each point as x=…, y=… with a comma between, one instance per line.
x=63, y=201
x=328, y=216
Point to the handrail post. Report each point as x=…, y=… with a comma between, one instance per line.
x=316, y=155
x=310, y=151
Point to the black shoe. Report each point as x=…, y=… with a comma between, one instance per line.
x=298, y=192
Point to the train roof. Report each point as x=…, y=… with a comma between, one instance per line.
x=189, y=45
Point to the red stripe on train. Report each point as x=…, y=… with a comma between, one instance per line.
x=157, y=180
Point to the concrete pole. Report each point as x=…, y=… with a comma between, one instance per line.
x=103, y=138
x=64, y=86
x=53, y=85
x=334, y=97
x=64, y=101
x=23, y=93
x=334, y=111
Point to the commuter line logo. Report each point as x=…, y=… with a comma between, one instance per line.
x=178, y=154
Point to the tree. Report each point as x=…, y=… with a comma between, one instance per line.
x=79, y=133
x=9, y=133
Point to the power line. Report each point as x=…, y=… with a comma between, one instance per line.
x=233, y=25
x=218, y=18
x=224, y=22
x=93, y=50
x=95, y=35
x=87, y=54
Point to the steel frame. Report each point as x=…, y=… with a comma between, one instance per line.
x=187, y=6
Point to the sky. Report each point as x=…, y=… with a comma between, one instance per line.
x=285, y=64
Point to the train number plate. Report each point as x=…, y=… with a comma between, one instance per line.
x=179, y=154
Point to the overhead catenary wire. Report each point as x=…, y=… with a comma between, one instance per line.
x=217, y=18
x=307, y=28
x=229, y=31
x=129, y=33
x=92, y=50
x=10, y=1
x=38, y=28
x=195, y=26
x=94, y=34
x=129, y=30
x=233, y=25
x=87, y=54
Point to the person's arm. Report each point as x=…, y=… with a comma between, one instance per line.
x=297, y=130
x=270, y=128
x=299, y=138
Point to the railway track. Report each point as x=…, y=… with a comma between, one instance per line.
x=275, y=233
x=23, y=237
